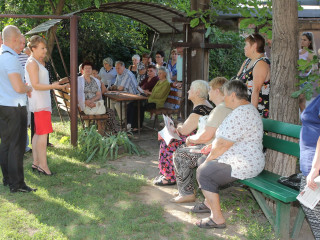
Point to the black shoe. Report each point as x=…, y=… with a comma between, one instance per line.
x=25, y=189
x=50, y=145
x=40, y=170
x=34, y=167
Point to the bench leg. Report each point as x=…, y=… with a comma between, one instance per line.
x=282, y=226
x=264, y=206
x=298, y=223
x=101, y=127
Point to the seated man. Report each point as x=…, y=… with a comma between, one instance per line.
x=186, y=156
x=125, y=81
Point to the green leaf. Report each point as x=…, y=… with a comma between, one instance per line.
x=194, y=22
x=91, y=156
x=208, y=32
x=296, y=94
x=97, y=3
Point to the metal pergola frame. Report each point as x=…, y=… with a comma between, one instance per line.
x=73, y=63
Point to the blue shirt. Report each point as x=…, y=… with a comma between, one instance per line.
x=309, y=134
x=128, y=81
x=9, y=63
x=108, y=77
x=172, y=69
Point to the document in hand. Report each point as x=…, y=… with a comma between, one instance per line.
x=309, y=197
x=169, y=131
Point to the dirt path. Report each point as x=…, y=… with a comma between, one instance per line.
x=148, y=166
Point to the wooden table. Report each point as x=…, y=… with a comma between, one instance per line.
x=125, y=97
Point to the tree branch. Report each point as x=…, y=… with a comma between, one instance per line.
x=52, y=6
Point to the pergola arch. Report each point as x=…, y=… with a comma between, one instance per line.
x=158, y=17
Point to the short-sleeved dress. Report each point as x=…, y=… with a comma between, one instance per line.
x=244, y=127
x=246, y=76
x=166, y=151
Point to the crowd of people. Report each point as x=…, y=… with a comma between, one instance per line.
x=223, y=143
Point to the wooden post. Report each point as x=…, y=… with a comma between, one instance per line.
x=197, y=58
x=73, y=78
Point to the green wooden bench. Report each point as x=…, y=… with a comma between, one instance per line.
x=265, y=185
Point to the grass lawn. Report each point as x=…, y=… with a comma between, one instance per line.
x=80, y=202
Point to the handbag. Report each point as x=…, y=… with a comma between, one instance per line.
x=97, y=110
x=292, y=181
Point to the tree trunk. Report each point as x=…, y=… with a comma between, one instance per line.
x=197, y=58
x=284, y=57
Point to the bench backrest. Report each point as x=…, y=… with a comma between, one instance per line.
x=280, y=145
x=174, y=97
x=63, y=99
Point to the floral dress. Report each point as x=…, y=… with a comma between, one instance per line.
x=246, y=76
x=166, y=151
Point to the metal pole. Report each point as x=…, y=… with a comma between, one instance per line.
x=60, y=53
x=73, y=78
x=34, y=16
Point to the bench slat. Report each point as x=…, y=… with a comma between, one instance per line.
x=281, y=145
x=266, y=182
x=283, y=128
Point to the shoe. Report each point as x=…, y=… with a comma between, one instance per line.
x=50, y=145
x=40, y=170
x=34, y=167
x=159, y=182
x=209, y=223
x=25, y=189
x=200, y=208
x=183, y=199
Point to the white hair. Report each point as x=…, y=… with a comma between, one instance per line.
x=136, y=56
x=201, y=86
x=163, y=69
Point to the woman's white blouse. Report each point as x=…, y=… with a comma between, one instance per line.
x=40, y=100
x=244, y=127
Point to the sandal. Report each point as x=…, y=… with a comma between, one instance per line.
x=209, y=223
x=159, y=182
x=200, y=208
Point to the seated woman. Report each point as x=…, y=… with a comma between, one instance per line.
x=198, y=95
x=150, y=81
x=136, y=65
x=89, y=92
x=146, y=86
x=186, y=156
x=236, y=151
x=160, y=91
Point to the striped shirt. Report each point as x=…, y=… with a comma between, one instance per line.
x=128, y=81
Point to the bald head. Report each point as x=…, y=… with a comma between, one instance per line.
x=12, y=37
x=9, y=33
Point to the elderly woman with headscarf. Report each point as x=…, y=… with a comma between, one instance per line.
x=236, y=152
